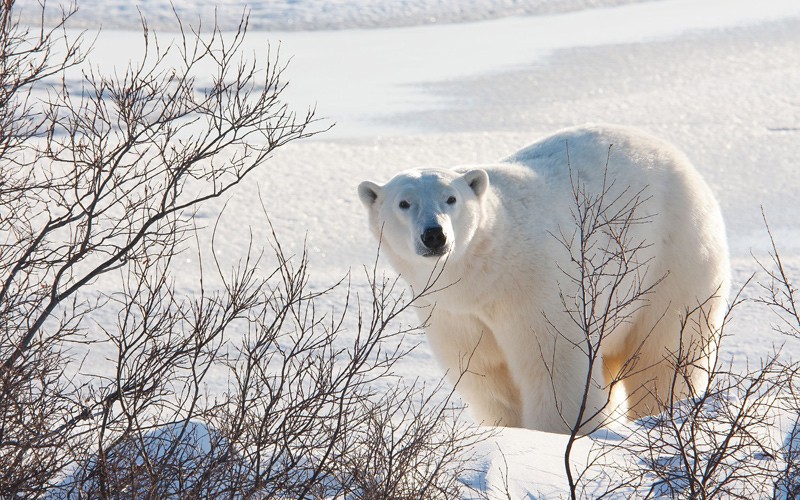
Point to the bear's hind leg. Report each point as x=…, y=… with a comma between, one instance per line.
x=663, y=374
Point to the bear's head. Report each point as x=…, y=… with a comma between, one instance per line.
x=426, y=213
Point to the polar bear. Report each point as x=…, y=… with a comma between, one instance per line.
x=582, y=278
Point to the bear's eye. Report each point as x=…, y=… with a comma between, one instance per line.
x=404, y=204
x=451, y=200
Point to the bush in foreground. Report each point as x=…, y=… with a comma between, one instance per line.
x=99, y=181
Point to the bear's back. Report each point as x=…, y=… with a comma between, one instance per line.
x=592, y=151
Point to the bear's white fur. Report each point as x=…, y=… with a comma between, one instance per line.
x=503, y=246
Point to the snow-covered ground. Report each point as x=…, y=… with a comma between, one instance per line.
x=305, y=15
x=463, y=82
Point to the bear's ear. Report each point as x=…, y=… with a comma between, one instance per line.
x=368, y=191
x=478, y=180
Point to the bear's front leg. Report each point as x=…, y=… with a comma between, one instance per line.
x=557, y=398
x=561, y=388
x=468, y=351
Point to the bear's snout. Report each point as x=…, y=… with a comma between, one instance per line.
x=434, y=238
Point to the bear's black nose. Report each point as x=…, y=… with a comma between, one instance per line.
x=434, y=238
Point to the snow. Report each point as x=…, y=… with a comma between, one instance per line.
x=470, y=82
x=286, y=15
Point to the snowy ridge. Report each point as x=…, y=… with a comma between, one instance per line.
x=304, y=15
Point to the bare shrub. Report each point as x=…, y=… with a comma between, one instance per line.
x=99, y=181
x=720, y=441
x=606, y=283
x=735, y=439
x=732, y=441
x=780, y=295
x=720, y=445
